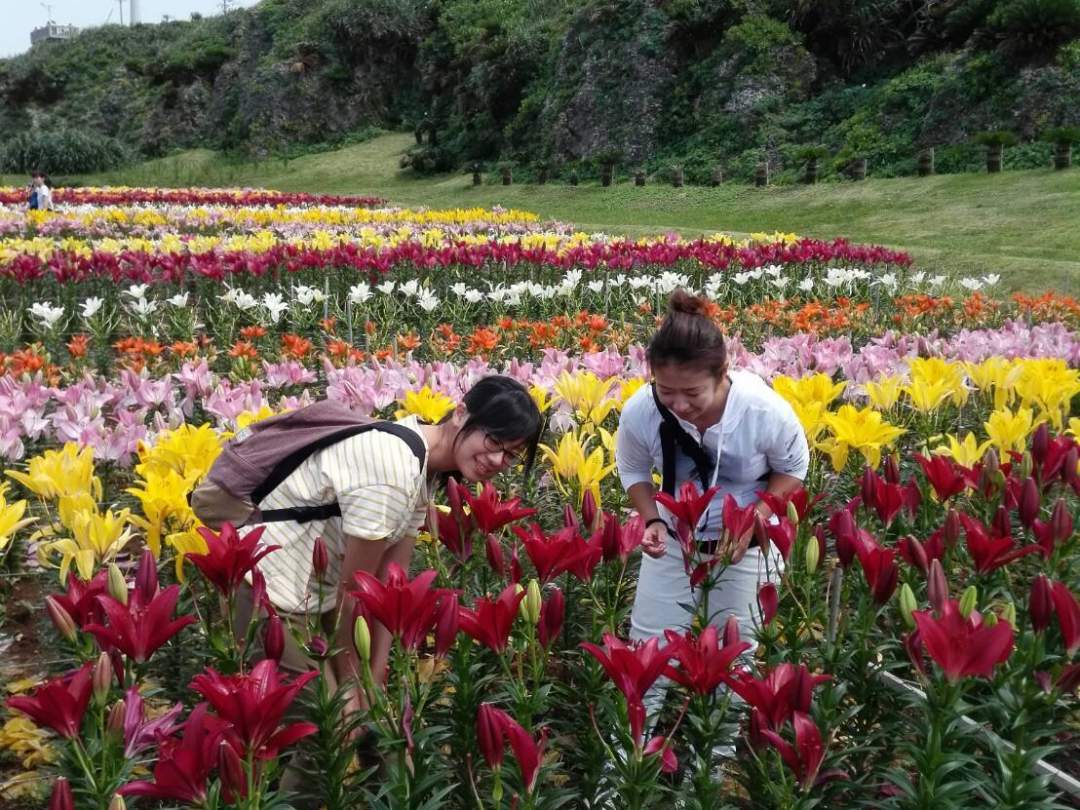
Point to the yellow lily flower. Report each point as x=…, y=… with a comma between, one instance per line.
x=540, y=397
x=927, y=396
x=811, y=416
x=587, y=395
x=858, y=429
x=1049, y=385
x=629, y=388
x=11, y=517
x=884, y=392
x=936, y=373
x=66, y=471
x=184, y=543
x=966, y=452
x=96, y=539
x=429, y=405
x=995, y=375
x=813, y=388
x=189, y=451
x=572, y=462
x=1008, y=430
x=248, y=418
x=164, y=502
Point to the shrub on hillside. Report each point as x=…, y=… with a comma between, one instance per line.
x=64, y=151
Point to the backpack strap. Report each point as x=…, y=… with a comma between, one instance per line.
x=672, y=434
x=288, y=465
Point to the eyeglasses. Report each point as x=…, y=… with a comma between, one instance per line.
x=514, y=455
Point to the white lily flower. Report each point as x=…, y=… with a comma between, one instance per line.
x=474, y=296
x=807, y=284
x=972, y=284
x=359, y=293
x=48, y=314
x=596, y=286
x=143, y=307
x=245, y=300
x=91, y=306
x=386, y=287
x=427, y=300
x=275, y=306
x=410, y=288
x=178, y=300
x=991, y=279
x=137, y=290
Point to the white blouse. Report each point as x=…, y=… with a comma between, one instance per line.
x=758, y=435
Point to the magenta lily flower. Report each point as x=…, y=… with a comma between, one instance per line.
x=962, y=647
x=229, y=557
x=492, y=620
x=806, y=756
x=138, y=630
x=59, y=704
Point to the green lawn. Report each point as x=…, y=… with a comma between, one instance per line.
x=1020, y=224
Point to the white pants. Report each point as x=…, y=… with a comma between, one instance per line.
x=664, y=600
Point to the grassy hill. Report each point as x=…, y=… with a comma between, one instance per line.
x=1021, y=224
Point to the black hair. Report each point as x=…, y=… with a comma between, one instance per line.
x=502, y=408
x=688, y=336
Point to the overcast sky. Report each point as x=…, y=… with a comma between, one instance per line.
x=20, y=16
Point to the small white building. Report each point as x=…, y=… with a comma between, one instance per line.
x=52, y=30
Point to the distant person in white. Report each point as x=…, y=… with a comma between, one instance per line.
x=752, y=439
x=39, y=194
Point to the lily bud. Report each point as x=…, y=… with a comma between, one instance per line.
x=731, y=631
x=453, y=498
x=115, y=723
x=318, y=647
x=62, y=798
x=950, y=531
x=117, y=803
x=1061, y=521
x=813, y=554
x=1002, y=522
x=101, y=680
x=532, y=603
x=1040, y=603
x=936, y=588
x=1008, y=613
x=320, y=558
x=1030, y=501
x=1026, y=464
x=118, y=588
x=494, y=554
x=991, y=472
x=61, y=619
x=990, y=619
x=274, y=638
x=968, y=600
x=362, y=638
x=792, y=513
x=1070, y=466
x=569, y=517
x=1040, y=443
x=588, y=510
x=768, y=601
x=761, y=535
x=891, y=469
x=231, y=770
x=146, y=577
x=907, y=605
x=868, y=487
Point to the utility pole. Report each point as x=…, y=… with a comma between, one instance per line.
x=135, y=16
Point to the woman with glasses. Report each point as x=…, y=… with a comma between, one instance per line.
x=381, y=483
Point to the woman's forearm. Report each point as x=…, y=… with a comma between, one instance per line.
x=643, y=497
x=780, y=485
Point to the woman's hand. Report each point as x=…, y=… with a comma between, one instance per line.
x=654, y=541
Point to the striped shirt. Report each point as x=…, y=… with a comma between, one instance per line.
x=383, y=494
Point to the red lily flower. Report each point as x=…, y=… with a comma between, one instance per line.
x=406, y=608
x=491, y=621
x=184, y=765
x=782, y=535
x=254, y=705
x=140, y=733
x=229, y=557
x=738, y=520
x=799, y=498
x=990, y=552
x=703, y=662
x=785, y=690
x=689, y=507
x=669, y=763
x=615, y=541
x=446, y=623
x=527, y=751
x=489, y=734
x=963, y=647
x=551, y=618
x=633, y=669
x=137, y=630
x=453, y=532
x=59, y=704
x=879, y=567
x=849, y=537
x=493, y=551
x=1040, y=603
x=490, y=513
x=890, y=499
x=80, y=601
x=943, y=474
x=1068, y=613
x=805, y=758
x=550, y=554
x=494, y=729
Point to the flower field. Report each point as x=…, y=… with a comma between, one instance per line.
x=917, y=650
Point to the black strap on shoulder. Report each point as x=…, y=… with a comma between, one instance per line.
x=284, y=468
x=672, y=434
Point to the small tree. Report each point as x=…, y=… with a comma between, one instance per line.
x=995, y=143
x=1063, y=139
x=810, y=156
